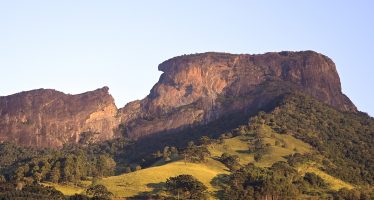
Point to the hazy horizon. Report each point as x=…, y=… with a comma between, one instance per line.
x=74, y=47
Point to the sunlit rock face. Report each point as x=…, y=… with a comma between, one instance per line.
x=49, y=118
x=197, y=89
x=193, y=90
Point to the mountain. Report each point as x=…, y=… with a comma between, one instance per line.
x=275, y=125
x=49, y=118
x=200, y=88
x=193, y=90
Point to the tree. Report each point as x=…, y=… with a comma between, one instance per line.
x=195, y=153
x=186, y=187
x=166, y=154
x=251, y=182
x=314, y=180
x=99, y=191
x=205, y=140
x=55, y=173
x=68, y=168
x=79, y=197
x=105, y=165
x=231, y=161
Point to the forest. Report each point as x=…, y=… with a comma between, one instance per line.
x=341, y=142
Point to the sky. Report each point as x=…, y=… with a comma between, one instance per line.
x=79, y=45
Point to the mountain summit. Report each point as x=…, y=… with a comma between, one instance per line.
x=49, y=118
x=200, y=88
x=193, y=90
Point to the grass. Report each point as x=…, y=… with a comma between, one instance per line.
x=334, y=183
x=152, y=179
x=239, y=146
x=66, y=189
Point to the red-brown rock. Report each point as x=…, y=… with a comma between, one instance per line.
x=48, y=118
x=197, y=89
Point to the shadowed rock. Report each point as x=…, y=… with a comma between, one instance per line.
x=49, y=118
x=197, y=89
x=193, y=90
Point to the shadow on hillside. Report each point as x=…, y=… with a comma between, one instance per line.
x=219, y=183
x=243, y=151
x=157, y=188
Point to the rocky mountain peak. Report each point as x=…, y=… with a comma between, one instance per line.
x=193, y=90
x=49, y=118
x=199, y=88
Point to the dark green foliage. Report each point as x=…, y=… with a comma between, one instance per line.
x=195, y=153
x=345, y=194
x=345, y=139
x=251, y=182
x=37, y=192
x=297, y=158
x=259, y=148
x=98, y=192
x=315, y=181
x=186, y=187
x=71, y=164
x=147, y=196
x=79, y=197
x=205, y=140
x=11, y=154
x=231, y=161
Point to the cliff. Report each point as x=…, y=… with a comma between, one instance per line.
x=200, y=88
x=48, y=118
x=193, y=90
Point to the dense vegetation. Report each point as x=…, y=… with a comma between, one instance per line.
x=72, y=163
x=186, y=187
x=37, y=192
x=345, y=139
x=281, y=181
x=343, y=144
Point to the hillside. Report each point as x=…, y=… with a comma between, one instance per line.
x=193, y=90
x=198, y=89
x=218, y=126
x=345, y=139
x=151, y=180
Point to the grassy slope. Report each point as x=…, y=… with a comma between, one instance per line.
x=148, y=180
x=239, y=146
x=335, y=183
x=68, y=189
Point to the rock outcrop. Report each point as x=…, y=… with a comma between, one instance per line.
x=48, y=118
x=193, y=90
x=197, y=89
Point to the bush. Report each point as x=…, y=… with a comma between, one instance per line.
x=186, y=187
x=195, y=153
x=315, y=181
x=231, y=161
x=251, y=182
x=99, y=191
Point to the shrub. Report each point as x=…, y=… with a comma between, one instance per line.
x=186, y=187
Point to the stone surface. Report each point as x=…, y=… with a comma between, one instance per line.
x=193, y=90
x=197, y=89
x=48, y=118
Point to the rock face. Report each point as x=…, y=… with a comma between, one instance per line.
x=197, y=89
x=193, y=90
x=48, y=118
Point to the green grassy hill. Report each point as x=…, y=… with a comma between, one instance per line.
x=151, y=180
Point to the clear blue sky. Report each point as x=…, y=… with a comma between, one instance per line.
x=76, y=45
